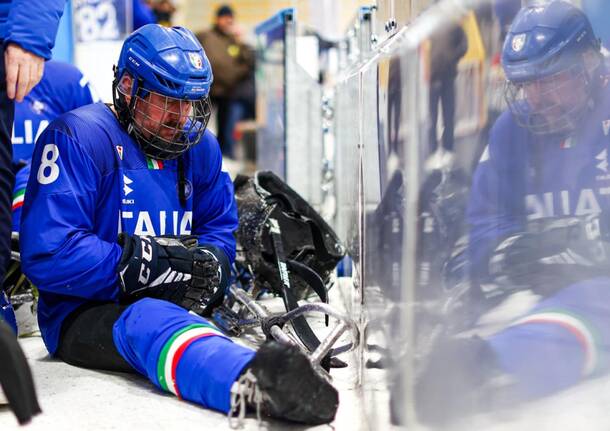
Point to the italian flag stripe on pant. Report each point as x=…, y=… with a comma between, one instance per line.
x=18, y=199
x=576, y=326
x=173, y=350
x=154, y=164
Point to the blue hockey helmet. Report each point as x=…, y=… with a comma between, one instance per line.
x=553, y=66
x=160, y=91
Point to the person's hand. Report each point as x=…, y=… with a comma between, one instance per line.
x=23, y=71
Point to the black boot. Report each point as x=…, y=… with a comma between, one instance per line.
x=283, y=381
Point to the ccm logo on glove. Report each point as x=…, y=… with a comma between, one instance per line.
x=146, y=257
x=173, y=268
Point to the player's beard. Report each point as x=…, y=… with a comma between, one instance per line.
x=170, y=132
x=166, y=131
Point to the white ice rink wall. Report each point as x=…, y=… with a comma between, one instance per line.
x=289, y=109
x=400, y=205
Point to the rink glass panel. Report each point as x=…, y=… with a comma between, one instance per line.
x=289, y=101
x=354, y=125
x=271, y=96
x=304, y=145
x=348, y=171
x=417, y=291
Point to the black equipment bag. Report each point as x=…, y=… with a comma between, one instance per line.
x=307, y=240
x=285, y=245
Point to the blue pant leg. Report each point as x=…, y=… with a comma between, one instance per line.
x=561, y=341
x=180, y=352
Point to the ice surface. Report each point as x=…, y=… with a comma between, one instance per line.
x=79, y=399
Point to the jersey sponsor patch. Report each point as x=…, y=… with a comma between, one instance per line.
x=174, y=349
x=126, y=182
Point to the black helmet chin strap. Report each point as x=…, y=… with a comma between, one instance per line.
x=181, y=182
x=120, y=105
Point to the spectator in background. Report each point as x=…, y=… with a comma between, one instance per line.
x=447, y=47
x=233, y=68
x=163, y=11
x=505, y=11
x=142, y=14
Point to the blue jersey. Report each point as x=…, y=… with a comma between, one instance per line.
x=61, y=89
x=523, y=176
x=89, y=182
x=32, y=24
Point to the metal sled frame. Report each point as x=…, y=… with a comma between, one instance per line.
x=18, y=299
x=273, y=323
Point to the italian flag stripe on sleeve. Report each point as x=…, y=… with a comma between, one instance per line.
x=576, y=326
x=154, y=164
x=174, y=349
x=18, y=199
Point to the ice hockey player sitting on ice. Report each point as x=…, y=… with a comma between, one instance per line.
x=148, y=169
x=538, y=216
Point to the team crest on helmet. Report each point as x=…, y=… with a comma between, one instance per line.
x=518, y=42
x=196, y=60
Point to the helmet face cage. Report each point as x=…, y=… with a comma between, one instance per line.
x=553, y=104
x=165, y=127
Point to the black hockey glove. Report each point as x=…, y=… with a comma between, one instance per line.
x=174, y=269
x=552, y=254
